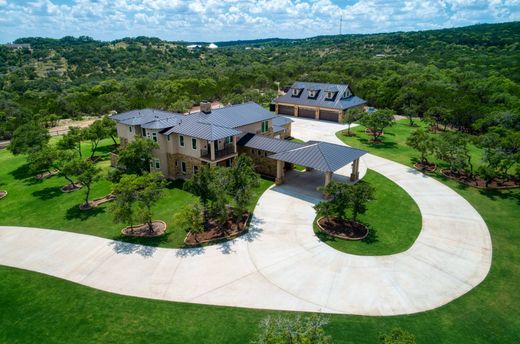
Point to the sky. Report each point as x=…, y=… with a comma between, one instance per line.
x=223, y=20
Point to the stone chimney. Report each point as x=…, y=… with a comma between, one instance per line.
x=205, y=107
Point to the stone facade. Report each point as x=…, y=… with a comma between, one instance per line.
x=263, y=164
x=175, y=166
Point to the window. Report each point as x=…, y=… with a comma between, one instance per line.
x=330, y=95
x=296, y=92
x=347, y=94
x=154, y=137
x=229, y=162
x=194, y=143
x=312, y=93
x=181, y=141
x=229, y=139
x=157, y=163
x=265, y=126
x=143, y=132
x=168, y=137
x=195, y=169
x=130, y=128
x=183, y=167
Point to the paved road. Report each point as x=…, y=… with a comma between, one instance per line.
x=281, y=264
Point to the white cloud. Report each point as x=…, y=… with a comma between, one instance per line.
x=213, y=20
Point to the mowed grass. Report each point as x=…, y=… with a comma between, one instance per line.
x=39, y=308
x=394, y=145
x=393, y=218
x=41, y=204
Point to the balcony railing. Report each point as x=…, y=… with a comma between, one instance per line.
x=228, y=150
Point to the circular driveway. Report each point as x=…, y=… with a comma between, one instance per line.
x=281, y=264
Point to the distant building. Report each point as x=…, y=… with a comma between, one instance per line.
x=317, y=101
x=193, y=46
x=212, y=46
x=17, y=46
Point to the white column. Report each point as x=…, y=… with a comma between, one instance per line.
x=328, y=178
x=355, y=170
x=235, y=143
x=212, y=149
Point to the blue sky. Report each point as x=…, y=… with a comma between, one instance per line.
x=218, y=20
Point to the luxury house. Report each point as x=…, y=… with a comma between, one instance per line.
x=217, y=136
x=317, y=101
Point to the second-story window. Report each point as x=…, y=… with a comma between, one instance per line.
x=130, y=128
x=229, y=139
x=265, y=126
x=154, y=137
x=194, y=143
x=143, y=132
x=168, y=137
x=181, y=141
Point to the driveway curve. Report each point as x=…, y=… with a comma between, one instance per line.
x=280, y=264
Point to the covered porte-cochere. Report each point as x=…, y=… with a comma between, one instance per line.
x=321, y=156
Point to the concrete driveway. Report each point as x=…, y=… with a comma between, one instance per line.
x=281, y=264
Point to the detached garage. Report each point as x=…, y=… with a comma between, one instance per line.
x=306, y=113
x=327, y=115
x=286, y=110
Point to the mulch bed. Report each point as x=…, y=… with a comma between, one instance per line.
x=46, y=175
x=212, y=232
x=71, y=187
x=343, y=229
x=142, y=231
x=427, y=167
x=347, y=133
x=3, y=194
x=477, y=182
x=370, y=132
x=94, y=159
x=97, y=201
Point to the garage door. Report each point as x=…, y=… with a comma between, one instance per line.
x=286, y=110
x=306, y=113
x=328, y=115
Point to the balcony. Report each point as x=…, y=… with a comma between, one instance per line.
x=221, y=154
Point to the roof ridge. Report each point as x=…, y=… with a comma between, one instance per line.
x=323, y=155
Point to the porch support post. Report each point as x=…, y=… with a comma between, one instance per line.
x=317, y=114
x=212, y=149
x=328, y=178
x=296, y=111
x=355, y=170
x=235, y=144
x=279, y=172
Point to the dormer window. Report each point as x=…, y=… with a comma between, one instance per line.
x=312, y=93
x=329, y=95
x=296, y=92
x=347, y=93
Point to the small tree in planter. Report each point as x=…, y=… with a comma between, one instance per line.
x=95, y=133
x=202, y=184
x=136, y=156
x=72, y=140
x=135, y=196
x=421, y=142
x=69, y=165
x=453, y=149
x=190, y=218
x=110, y=128
x=296, y=330
x=377, y=121
x=487, y=173
x=89, y=174
x=42, y=160
x=350, y=117
x=397, y=336
x=241, y=179
x=359, y=195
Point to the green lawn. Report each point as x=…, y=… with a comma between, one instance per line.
x=394, y=145
x=39, y=308
x=41, y=204
x=393, y=228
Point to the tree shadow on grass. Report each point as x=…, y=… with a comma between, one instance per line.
x=74, y=213
x=121, y=247
x=22, y=172
x=379, y=145
x=506, y=194
x=154, y=242
x=48, y=193
x=371, y=238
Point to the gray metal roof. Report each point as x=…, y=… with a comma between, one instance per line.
x=203, y=131
x=281, y=120
x=162, y=123
x=267, y=144
x=320, y=99
x=277, y=129
x=235, y=115
x=322, y=156
x=143, y=116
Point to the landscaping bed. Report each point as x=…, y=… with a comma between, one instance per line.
x=425, y=167
x=3, y=194
x=343, y=229
x=142, y=231
x=46, y=175
x=71, y=187
x=477, y=182
x=213, y=232
x=98, y=201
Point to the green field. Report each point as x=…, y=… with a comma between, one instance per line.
x=41, y=204
x=392, y=229
x=39, y=308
